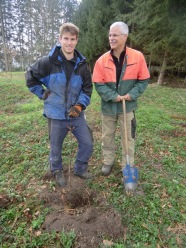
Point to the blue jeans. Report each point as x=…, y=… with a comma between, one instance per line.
x=58, y=130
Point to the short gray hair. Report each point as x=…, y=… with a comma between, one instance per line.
x=123, y=26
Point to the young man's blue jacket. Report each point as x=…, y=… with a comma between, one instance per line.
x=48, y=73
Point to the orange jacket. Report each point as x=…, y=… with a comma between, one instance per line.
x=133, y=80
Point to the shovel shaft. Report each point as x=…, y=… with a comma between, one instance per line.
x=125, y=130
x=130, y=173
x=127, y=159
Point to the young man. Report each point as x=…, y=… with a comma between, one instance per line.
x=63, y=81
x=119, y=73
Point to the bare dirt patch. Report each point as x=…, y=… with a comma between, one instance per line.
x=78, y=208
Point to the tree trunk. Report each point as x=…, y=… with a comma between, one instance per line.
x=132, y=30
x=163, y=69
x=3, y=39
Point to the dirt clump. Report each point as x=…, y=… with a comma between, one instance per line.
x=4, y=201
x=78, y=208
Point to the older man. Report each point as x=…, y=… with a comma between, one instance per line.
x=119, y=73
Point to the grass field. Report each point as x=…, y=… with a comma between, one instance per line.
x=155, y=218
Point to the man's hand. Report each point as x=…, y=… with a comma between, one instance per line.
x=119, y=98
x=75, y=111
x=127, y=97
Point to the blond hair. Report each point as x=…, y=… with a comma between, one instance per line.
x=69, y=27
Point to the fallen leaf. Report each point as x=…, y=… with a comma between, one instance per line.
x=107, y=243
x=125, y=235
x=38, y=233
x=37, y=213
x=26, y=210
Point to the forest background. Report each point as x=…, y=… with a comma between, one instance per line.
x=30, y=28
x=36, y=213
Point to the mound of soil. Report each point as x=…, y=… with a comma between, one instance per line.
x=82, y=210
x=4, y=201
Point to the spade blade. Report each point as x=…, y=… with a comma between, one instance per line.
x=130, y=177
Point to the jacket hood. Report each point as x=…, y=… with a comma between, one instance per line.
x=54, y=55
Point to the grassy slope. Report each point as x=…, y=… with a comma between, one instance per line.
x=154, y=218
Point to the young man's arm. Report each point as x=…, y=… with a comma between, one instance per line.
x=37, y=76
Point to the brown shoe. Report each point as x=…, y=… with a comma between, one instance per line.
x=85, y=175
x=106, y=169
x=59, y=177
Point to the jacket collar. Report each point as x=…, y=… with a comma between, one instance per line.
x=56, y=58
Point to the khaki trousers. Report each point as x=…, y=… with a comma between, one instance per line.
x=109, y=125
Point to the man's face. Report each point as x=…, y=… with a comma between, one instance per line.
x=117, y=40
x=68, y=42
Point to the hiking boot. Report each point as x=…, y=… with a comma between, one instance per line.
x=59, y=177
x=106, y=169
x=85, y=175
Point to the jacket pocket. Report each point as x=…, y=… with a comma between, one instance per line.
x=133, y=128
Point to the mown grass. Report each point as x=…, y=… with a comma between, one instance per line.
x=155, y=217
